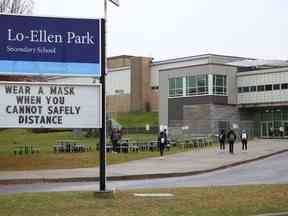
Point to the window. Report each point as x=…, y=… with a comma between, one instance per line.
x=176, y=87
x=197, y=85
x=223, y=125
x=119, y=91
x=219, y=85
x=268, y=87
x=240, y=89
x=284, y=86
x=246, y=89
x=191, y=85
x=202, y=84
x=261, y=88
x=276, y=86
x=253, y=88
x=155, y=87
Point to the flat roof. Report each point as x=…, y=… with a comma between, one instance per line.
x=195, y=57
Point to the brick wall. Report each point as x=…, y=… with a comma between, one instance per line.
x=154, y=100
x=118, y=103
x=140, y=84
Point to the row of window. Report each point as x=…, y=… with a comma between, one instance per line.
x=197, y=85
x=260, y=88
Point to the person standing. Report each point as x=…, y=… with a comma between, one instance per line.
x=231, y=136
x=162, y=140
x=114, y=139
x=221, y=138
x=244, y=139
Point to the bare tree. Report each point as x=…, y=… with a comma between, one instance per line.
x=16, y=6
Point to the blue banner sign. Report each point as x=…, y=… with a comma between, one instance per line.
x=50, y=46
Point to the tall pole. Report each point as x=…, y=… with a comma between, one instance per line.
x=105, y=10
x=102, y=150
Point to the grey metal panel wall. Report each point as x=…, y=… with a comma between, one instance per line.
x=227, y=113
x=203, y=119
x=218, y=59
x=163, y=86
x=176, y=105
x=186, y=71
x=197, y=118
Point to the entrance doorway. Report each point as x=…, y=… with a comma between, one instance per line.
x=274, y=129
x=272, y=122
x=267, y=129
x=285, y=129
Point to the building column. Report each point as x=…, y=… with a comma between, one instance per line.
x=210, y=84
x=184, y=86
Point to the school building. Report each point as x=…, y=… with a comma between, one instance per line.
x=200, y=94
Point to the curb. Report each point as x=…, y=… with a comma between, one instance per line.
x=135, y=177
x=274, y=214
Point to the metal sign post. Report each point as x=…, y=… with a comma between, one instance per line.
x=102, y=149
x=51, y=46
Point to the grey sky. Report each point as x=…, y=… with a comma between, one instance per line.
x=176, y=28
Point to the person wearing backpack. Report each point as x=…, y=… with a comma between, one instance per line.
x=231, y=137
x=244, y=138
x=115, y=137
x=221, y=138
x=162, y=140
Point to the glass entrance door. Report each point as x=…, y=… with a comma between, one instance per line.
x=270, y=128
x=267, y=129
x=285, y=127
x=264, y=129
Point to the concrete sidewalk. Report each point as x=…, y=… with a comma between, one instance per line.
x=181, y=164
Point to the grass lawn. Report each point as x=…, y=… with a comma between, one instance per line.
x=137, y=119
x=69, y=160
x=10, y=139
x=211, y=201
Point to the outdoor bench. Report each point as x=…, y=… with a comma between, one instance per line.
x=26, y=149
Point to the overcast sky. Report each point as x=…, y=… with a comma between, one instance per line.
x=165, y=29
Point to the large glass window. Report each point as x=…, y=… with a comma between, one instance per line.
x=176, y=87
x=202, y=84
x=219, y=85
x=246, y=89
x=284, y=86
x=260, y=88
x=197, y=85
x=268, y=87
x=276, y=86
x=253, y=88
x=191, y=85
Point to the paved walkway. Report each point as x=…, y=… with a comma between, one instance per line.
x=181, y=164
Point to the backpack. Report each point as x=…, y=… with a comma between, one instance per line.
x=221, y=136
x=244, y=136
x=231, y=137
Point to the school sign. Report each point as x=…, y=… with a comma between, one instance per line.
x=46, y=105
x=50, y=46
